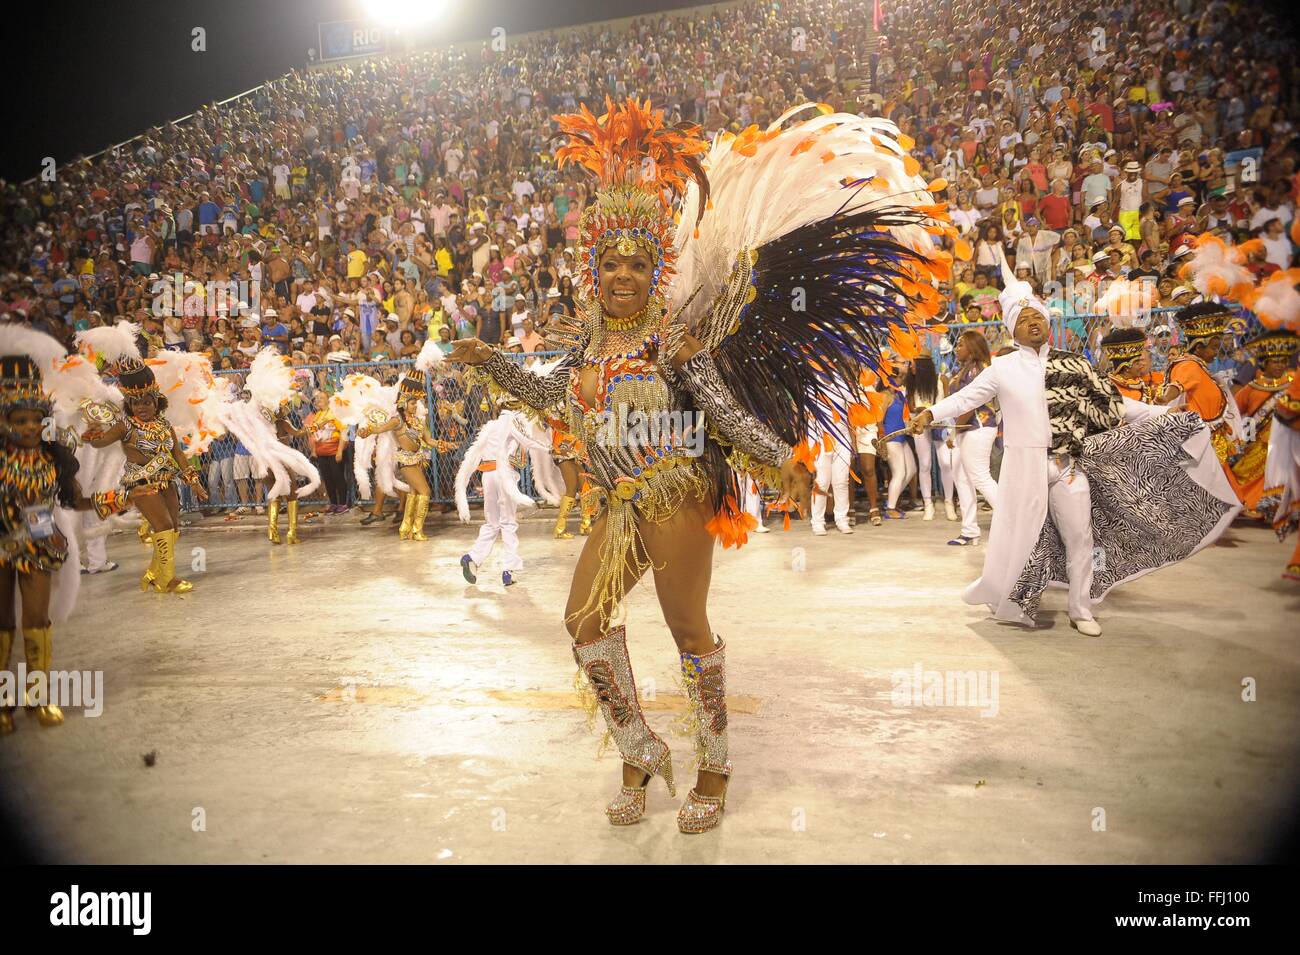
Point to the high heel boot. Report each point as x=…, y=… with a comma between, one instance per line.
x=606, y=666
x=417, y=519
x=562, y=519
x=706, y=688
x=273, y=521
x=292, y=508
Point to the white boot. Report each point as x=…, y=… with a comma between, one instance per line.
x=819, y=530
x=929, y=510
x=844, y=527
x=950, y=510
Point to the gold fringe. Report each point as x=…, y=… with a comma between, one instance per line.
x=620, y=552
x=590, y=704
x=688, y=724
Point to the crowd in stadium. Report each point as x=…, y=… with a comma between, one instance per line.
x=347, y=214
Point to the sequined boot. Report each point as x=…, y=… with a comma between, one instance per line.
x=588, y=506
x=417, y=519
x=273, y=521
x=166, y=581
x=151, y=572
x=562, y=519
x=606, y=665
x=408, y=518
x=6, y=712
x=706, y=687
x=38, y=647
x=292, y=508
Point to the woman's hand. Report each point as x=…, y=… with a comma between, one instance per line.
x=363, y=432
x=470, y=351
x=796, y=485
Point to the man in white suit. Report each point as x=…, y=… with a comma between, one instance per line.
x=1053, y=402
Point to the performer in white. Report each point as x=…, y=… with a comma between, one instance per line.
x=1070, y=475
x=490, y=454
x=752, y=500
x=832, y=477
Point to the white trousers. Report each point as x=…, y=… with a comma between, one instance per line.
x=971, y=474
x=95, y=548
x=902, y=466
x=499, y=510
x=751, y=501
x=930, y=443
x=832, y=476
x=1070, y=504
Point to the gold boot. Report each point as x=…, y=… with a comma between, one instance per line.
x=417, y=519
x=38, y=646
x=706, y=688
x=6, y=712
x=408, y=517
x=292, y=536
x=561, y=532
x=146, y=535
x=167, y=582
x=151, y=572
x=608, y=670
x=588, y=513
x=273, y=521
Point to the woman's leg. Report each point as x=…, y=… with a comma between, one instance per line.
x=590, y=628
x=924, y=459
x=946, y=475
x=970, y=527
x=867, y=471
x=572, y=475
x=682, y=551
x=417, y=503
x=897, y=473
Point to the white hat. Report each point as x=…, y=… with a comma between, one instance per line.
x=1015, y=297
x=393, y=317
x=552, y=292
x=271, y=313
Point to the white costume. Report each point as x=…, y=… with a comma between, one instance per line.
x=490, y=453
x=1038, y=488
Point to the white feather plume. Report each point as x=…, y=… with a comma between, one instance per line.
x=111, y=342
x=193, y=399
x=793, y=179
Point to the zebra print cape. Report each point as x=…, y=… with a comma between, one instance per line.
x=1152, y=488
x=1080, y=402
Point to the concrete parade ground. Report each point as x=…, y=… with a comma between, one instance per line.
x=351, y=699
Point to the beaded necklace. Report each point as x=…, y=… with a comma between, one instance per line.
x=29, y=471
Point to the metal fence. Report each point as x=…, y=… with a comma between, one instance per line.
x=455, y=413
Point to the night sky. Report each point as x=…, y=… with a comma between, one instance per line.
x=96, y=73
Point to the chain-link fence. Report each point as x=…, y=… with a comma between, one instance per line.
x=457, y=411
x=1083, y=334
x=455, y=414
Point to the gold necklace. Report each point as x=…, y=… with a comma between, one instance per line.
x=626, y=324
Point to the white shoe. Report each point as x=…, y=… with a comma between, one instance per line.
x=950, y=510
x=819, y=530
x=1089, y=628
x=761, y=529
x=929, y=511
x=844, y=528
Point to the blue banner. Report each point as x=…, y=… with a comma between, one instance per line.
x=343, y=38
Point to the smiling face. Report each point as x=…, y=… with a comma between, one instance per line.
x=144, y=408
x=624, y=282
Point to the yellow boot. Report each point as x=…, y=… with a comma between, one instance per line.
x=6, y=712
x=146, y=535
x=588, y=513
x=408, y=517
x=38, y=646
x=151, y=572
x=167, y=582
x=292, y=536
x=417, y=520
x=273, y=521
x=562, y=519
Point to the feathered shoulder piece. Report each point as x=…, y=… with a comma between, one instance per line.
x=193, y=398
x=1276, y=301
x=362, y=399
x=270, y=380
x=1217, y=268
x=814, y=248
x=109, y=345
x=28, y=361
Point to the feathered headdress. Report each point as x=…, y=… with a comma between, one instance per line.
x=1276, y=301
x=427, y=362
x=642, y=167
x=1124, y=302
x=1216, y=269
x=115, y=351
x=27, y=359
